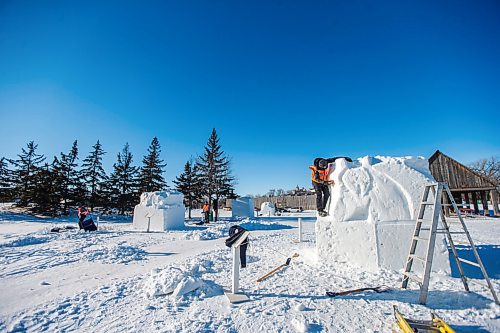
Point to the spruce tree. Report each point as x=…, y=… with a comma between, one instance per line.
x=67, y=177
x=189, y=184
x=215, y=172
x=46, y=199
x=94, y=176
x=5, y=181
x=123, y=181
x=26, y=165
x=151, y=173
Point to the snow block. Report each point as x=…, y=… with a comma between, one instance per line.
x=163, y=210
x=372, y=212
x=267, y=209
x=243, y=207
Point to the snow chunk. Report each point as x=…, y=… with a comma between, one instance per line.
x=177, y=280
x=187, y=285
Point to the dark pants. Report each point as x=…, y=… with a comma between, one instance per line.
x=207, y=216
x=322, y=195
x=243, y=254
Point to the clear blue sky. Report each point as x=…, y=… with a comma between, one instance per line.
x=282, y=81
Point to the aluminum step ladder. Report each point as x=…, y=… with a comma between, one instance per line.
x=434, y=203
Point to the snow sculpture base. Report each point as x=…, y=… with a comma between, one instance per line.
x=243, y=207
x=372, y=246
x=159, y=211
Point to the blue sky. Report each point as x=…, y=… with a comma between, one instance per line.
x=282, y=81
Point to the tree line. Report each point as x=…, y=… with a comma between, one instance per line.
x=54, y=188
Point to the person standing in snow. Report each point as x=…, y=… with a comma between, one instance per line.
x=206, y=212
x=320, y=172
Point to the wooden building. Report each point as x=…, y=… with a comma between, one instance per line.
x=465, y=184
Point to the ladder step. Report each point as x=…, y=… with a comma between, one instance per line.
x=431, y=185
x=414, y=277
x=420, y=238
x=417, y=257
x=468, y=262
x=427, y=203
x=477, y=282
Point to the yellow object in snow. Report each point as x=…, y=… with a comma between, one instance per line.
x=410, y=326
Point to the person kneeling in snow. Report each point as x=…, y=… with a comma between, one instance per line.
x=320, y=171
x=85, y=221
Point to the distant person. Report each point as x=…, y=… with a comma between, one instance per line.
x=320, y=171
x=206, y=212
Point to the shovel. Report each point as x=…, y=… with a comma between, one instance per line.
x=288, y=260
x=379, y=289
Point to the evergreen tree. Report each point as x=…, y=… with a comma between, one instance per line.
x=189, y=183
x=94, y=176
x=151, y=173
x=123, y=181
x=215, y=172
x=5, y=181
x=67, y=178
x=45, y=199
x=26, y=167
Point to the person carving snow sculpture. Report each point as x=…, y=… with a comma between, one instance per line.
x=320, y=171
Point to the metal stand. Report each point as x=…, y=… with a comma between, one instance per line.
x=234, y=296
x=300, y=230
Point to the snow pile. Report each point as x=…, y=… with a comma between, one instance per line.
x=214, y=232
x=25, y=241
x=263, y=225
x=243, y=207
x=222, y=229
x=159, y=211
x=372, y=211
x=120, y=253
x=267, y=209
x=175, y=280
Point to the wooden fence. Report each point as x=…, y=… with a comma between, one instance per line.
x=307, y=202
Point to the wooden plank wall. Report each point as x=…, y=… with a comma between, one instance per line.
x=307, y=202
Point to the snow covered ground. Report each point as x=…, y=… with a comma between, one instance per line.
x=120, y=280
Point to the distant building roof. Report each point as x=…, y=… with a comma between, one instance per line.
x=459, y=177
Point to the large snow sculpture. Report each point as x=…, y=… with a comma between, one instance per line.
x=371, y=216
x=242, y=207
x=159, y=211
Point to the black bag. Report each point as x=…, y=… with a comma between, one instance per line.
x=88, y=225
